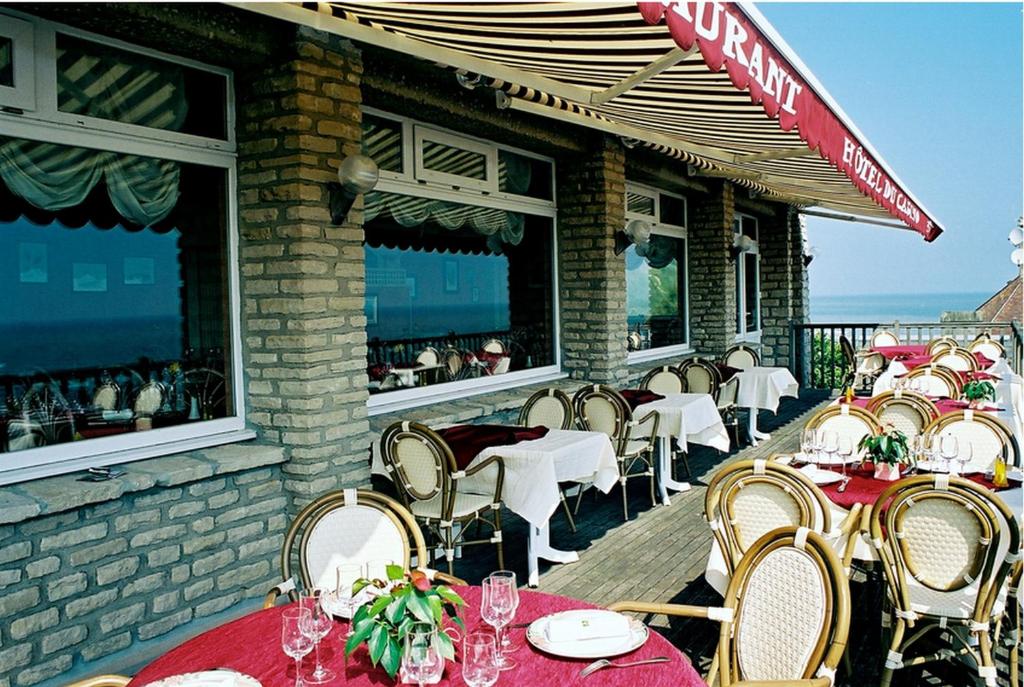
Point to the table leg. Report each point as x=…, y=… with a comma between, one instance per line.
x=539, y=546
x=663, y=467
x=752, y=430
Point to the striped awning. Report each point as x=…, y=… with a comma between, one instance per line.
x=645, y=76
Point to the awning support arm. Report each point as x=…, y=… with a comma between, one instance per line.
x=666, y=61
x=855, y=219
x=799, y=151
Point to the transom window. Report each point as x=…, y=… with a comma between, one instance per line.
x=748, y=276
x=656, y=275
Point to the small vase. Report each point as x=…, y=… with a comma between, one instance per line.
x=886, y=472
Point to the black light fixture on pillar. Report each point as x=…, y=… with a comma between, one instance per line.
x=356, y=174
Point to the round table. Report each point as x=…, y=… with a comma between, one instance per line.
x=252, y=645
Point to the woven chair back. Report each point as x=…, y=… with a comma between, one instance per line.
x=727, y=393
x=453, y=362
x=551, y=408
x=988, y=347
x=938, y=381
x=791, y=605
x=149, y=398
x=846, y=420
x=428, y=357
x=907, y=411
x=980, y=436
x=848, y=351
x=741, y=357
x=701, y=376
x=883, y=337
x=958, y=359
x=349, y=526
x=419, y=461
x=106, y=396
x=494, y=346
x=664, y=380
x=600, y=408
x=941, y=343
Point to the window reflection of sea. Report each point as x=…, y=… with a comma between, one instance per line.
x=900, y=307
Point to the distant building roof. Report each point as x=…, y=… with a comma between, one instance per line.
x=1007, y=304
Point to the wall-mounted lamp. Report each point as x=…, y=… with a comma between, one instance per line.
x=742, y=244
x=637, y=232
x=356, y=174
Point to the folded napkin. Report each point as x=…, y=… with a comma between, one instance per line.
x=638, y=397
x=576, y=627
x=467, y=441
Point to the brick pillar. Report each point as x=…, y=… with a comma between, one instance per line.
x=783, y=282
x=712, y=271
x=591, y=208
x=304, y=332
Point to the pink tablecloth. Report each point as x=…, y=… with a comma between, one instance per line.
x=913, y=361
x=864, y=488
x=891, y=352
x=252, y=645
x=944, y=405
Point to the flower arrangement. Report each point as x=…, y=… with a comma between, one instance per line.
x=887, y=452
x=977, y=391
x=396, y=604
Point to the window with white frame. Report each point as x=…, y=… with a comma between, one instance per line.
x=459, y=251
x=748, y=275
x=656, y=274
x=117, y=258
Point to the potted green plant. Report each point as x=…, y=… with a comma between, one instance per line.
x=397, y=604
x=887, y=452
x=976, y=392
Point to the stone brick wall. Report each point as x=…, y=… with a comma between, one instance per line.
x=591, y=203
x=712, y=270
x=302, y=278
x=189, y=540
x=783, y=282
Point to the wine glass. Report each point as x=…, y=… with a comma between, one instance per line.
x=294, y=642
x=830, y=444
x=949, y=448
x=421, y=661
x=844, y=447
x=506, y=643
x=819, y=445
x=377, y=569
x=497, y=606
x=316, y=623
x=479, y=660
x=807, y=443
x=964, y=457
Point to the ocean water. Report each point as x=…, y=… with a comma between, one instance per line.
x=901, y=307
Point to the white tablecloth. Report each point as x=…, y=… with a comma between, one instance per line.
x=763, y=387
x=693, y=417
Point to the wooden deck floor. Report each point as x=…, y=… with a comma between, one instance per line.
x=660, y=553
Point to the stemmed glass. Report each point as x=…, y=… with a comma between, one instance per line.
x=830, y=444
x=316, y=624
x=964, y=457
x=497, y=607
x=294, y=641
x=819, y=445
x=421, y=661
x=930, y=449
x=949, y=447
x=807, y=443
x=506, y=646
x=479, y=660
x=844, y=447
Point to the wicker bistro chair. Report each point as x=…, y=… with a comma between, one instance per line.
x=947, y=546
x=785, y=617
x=939, y=380
x=958, y=359
x=494, y=346
x=427, y=477
x=987, y=437
x=883, y=337
x=600, y=408
x=741, y=357
x=942, y=343
x=907, y=411
x=749, y=498
x=102, y=681
x=428, y=365
x=987, y=346
x=346, y=526
x=551, y=408
x=862, y=368
x=664, y=380
x=846, y=420
x=701, y=376
x=727, y=408
x=454, y=363
x=1008, y=629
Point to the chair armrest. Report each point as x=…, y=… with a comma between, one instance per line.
x=667, y=609
x=851, y=523
x=486, y=463
x=809, y=682
x=277, y=590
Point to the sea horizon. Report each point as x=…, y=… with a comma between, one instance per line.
x=891, y=307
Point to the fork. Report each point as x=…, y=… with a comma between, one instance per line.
x=605, y=663
x=842, y=487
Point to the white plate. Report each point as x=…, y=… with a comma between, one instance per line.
x=208, y=678
x=822, y=459
x=821, y=476
x=537, y=635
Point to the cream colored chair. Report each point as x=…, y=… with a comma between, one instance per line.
x=907, y=411
x=353, y=526
x=980, y=435
x=600, y=408
x=741, y=357
x=988, y=347
x=883, y=337
x=103, y=681
x=942, y=343
x=664, y=380
x=428, y=365
x=938, y=381
x=785, y=617
x=427, y=478
x=861, y=369
x=726, y=402
x=947, y=546
x=957, y=359
x=454, y=363
x=701, y=376
x=149, y=399
x=494, y=346
x=845, y=420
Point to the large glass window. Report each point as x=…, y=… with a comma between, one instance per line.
x=656, y=290
x=748, y=275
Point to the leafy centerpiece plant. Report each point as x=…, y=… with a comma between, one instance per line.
x=394, y=606
x=887, y=452
x=977, y=392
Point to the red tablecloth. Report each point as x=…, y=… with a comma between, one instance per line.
x=918, y=360
x=864, y=488
x=891, y=352
x=945, y=405
x=467, y=441
x=252, y=645
x=638, y=397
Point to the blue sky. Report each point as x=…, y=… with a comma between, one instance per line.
x=936, y=87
